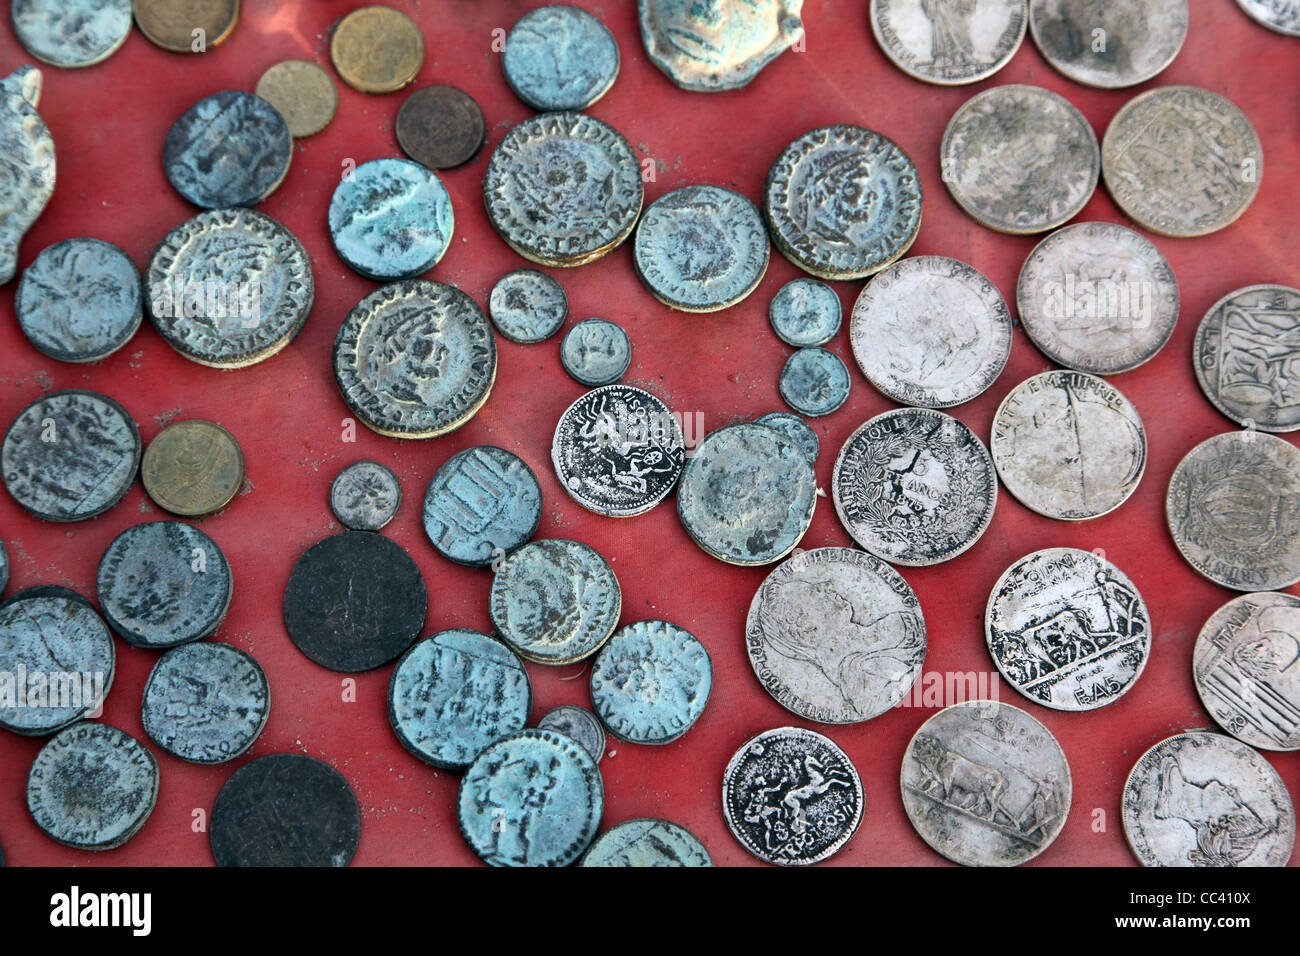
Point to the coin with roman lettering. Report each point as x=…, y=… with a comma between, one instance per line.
x=71, y=33
x=440, y=126
x=365, y=496
x=796, y=430
x=650, y=682
x=1280, y=15
x=228, y=149
x=721, y=45
x=814, y=382
x=580, y=724
x=596, y=352
x=949, y=43
x=377, y=49
x=193, y=468
x=206, y=703
x=303, y=93
x=482, y=504
x=186, y=26
x=391, y=219
x=528, y=306
x=647, y=842
x=560, y=57
x=805, y=313
x=1109, y=43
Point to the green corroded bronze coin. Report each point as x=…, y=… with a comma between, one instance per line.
x=647, y=842
x=559, y=57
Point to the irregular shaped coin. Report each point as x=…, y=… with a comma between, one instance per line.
x=1109, y=45
x=28, y=148
x=651, y=682
x=560, y=57
x=718, y=46
x=596, y=352
x=391, y=219
x=193, y=468
x=814, y=382
x=186, y=26
x=365, y=495
x=949, y=43
x=1280, y=15
x=482, y=504
x=229, y=149
x=528, y=306
x=805, y=313
x=71, y=33
x=206, y=703
x=580, y=724
x=302, y=93
x=377, y=49
x=647, y=842
x=440, y=126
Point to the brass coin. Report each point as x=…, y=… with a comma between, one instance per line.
x=172, y=24
x=377, y=49
x=303, y=93
x=192, y=468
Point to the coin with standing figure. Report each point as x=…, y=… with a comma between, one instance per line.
x=949, y=43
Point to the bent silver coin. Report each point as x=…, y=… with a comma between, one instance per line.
x=482, y=504
x=717, y=46
x=229, y=149
x=949, y=43
x=391, y=219
x=1109, y=44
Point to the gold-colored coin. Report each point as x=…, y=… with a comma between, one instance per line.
x=377, y=49
x=192, y=468
x=303, y=93
x=186, y=26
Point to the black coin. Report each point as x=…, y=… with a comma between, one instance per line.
x=441, y=127
x=228, y=149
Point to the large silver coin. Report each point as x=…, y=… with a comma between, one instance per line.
x=710, y=47
x=1280, y=15
x=1202, y=799
x=1098, y=298
x=985, y=784
x=1109, y=43
x=836, y=635
x=931, y=331
x=1234, y=511
x=948, y=43
x=914, y=487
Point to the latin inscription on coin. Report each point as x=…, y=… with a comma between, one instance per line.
x=596, y=352
x=193, y=468
x=814, y=382
x=71, y=33
x=228, y=149
x=949, y=43
x=580, y=724
x=391, y=219
x=651, y=682
x=528, y=306
x=1280, y=15
x=28, y=148
x=647, y=842
x=805, y=313
x=560, y=57
x=206, y=702
x=482, y=504
x=1109, y=43
x=719, y=45
x=365, y=495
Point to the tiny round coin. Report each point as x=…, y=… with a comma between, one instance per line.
x=377, y=49
x=206, y=703
x=796, y=430
x=1280, y=15
x=596, y=352
x=229, y=149
x=441, y=127
x=647, y=842
x=186, y=26
x=391, y=219
x=365, y=496
x=580, y=724
x=805, y=313
x=193, y=468
x=651, y=682
x=482, y=504
x=985, y=784
x=717, y=47
x=1206, y=800
x=71, y=33
x=303, y=94
x=815, y=382
x=528, y=306
x=949, y=44
x=1109, y=44
x=792, y=796
x=559, y=57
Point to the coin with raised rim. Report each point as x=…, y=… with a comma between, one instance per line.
x=377, y=49
x=1110, y=44
x=206, y=703
x=650, y=682
x=560, y=57
x=441, y=127
x=946, y=43
x=713, y=47
x=71, y=33
x=365, y=496
x=481, y=504
x=303, y=93
x=193, y=468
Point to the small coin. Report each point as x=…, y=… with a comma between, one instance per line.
x=28, y=149
x=835, y=635
x=1280, y=15
x=1234, y=511
x=792, y=796
x=1206, y=800
x=931, y=331
x=985, y=784
x=651, y=682
x=482, y=504
x=796, y=430
x=377, y=49
x=186, y=26
x=391, y=219
x=71, y=33
x=228, y=149
x=914, y=487
x=302, y=93
x=815, y=382
x=949, y=43
x=805, y=313
x=1182, y=161
x=193, y=468
x=365, y=496
x=580, y=724
x=355, y=601
x=647, y=842
x=596, y=352
x=560, y=58
x=721, y=46
x=1097, y=298
x=528, y=306
x=1109, y=44
x=285, y=810
x=441, y=127
x=206, y=703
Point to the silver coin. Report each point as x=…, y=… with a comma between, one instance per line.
x=1020, y=159
x=949, y=43
x=1109, y=44
x=580, y=724
x=365, y=495
x=1234, y=511
x=528, y=306
x=72, y=33
x=835, y=635
x=1280, y=15
x=1245, y=668
x=647, y=842
x=1069, y=446
x=805, y=313
x=1202, y=799
x=1097, y=298
x=717, y=46
x=1067, y=629
x=985, y=784
x=596, y=352
x=1243, y=355
x=559, y=57
x=914, y=487
x=931, y=331
x=28, y=148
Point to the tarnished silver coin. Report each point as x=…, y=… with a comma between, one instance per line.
x=1245, y=666
x=985, y=784
x=747, y=494
x=647, y=842
x=1202, y=799
x=948, y=43
x=815, y=382
x=797, y=430
x=805, y=313
x=1020, y=159
x=914, y=487
x=618, y=451
x=71, y=33
x=528, y=306
x=931, y=331
x=1097, y=298
x=1182, y=161
x=1068, y=445
x=1068, y=629
x=1280, y=15
x=481, y=504
x=709, y=47
x=1246, y=354
x=559, y=57
x=842, y=202
x=1109, y=43
x=596, y=352
x=651, y=682
x=229, y=149
x=28, y=148
x=580, y=724
x=836, y=635
x=365, y=495
x=1234, y=511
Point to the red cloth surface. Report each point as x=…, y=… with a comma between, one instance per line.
x=108, y=124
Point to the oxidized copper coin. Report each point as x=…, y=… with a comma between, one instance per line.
x=193, y=468
x=377, y=49
x=186, y=26
x=303, y=93
x=441, y=127
x=1109, y=43
x=949, y=43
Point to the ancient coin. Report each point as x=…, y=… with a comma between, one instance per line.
x=528, y=306
x=718, y=46
x=985, y=784
x=555, y=601
x=805, y=313
x=1243, y=353
x=441, y=127
x=796, y=430
x=80, y=301
x=647, y=842
x=791, y=796
x=1202, y=799
x=1244, y=665
x=4, y=566
x=71, y=33
x=580, y=724
x=193, y=468
x=618, y=451
x=1097, y=298
x=559, y=57
x=1110, y=44
x=377, y=49
x=1068, y=445
x=92, y=787
x=285, y=810
x=70, y=455
x=1182, y=161
x=365, y=495
x=533, y=798
x=415, y=359
x=836, y=635
x=28, y=148
x=391, y=219
x=747, y=494
x=303, y=93
x=1020, y=159
x=355, y=601
x=454, y=693
x=163, y=583
x=701, y=248
x=563, y=189
x=186, y=26
x=814, y=382
x=229, y=288
x=931, y=331
x=596, y=352
x=1234, y=511
x=482, y=504
x=842, y=202
x=228, y=149
x=651, y=682
x=1280, y=15
x=206, y=702
x=949, y=43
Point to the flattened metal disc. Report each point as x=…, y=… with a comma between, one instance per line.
x=482, y=504
x=377, y=49
x=946, y=43
x=528, y=306
x=580, y=724
x=391, y=219
x=1109, y=45
x=1282, y=16
x=441, y=127
x=709, y=49
x=647, y=842
x=365, y=496
x=71, y=33
x=797, y=430
x=805, y=313
x=302, y=93
x=191, y=26
x=229, y=149
x=560, y=57
x=206, y=703
x=193, y=468
x=815, y=382
x=651, y=682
